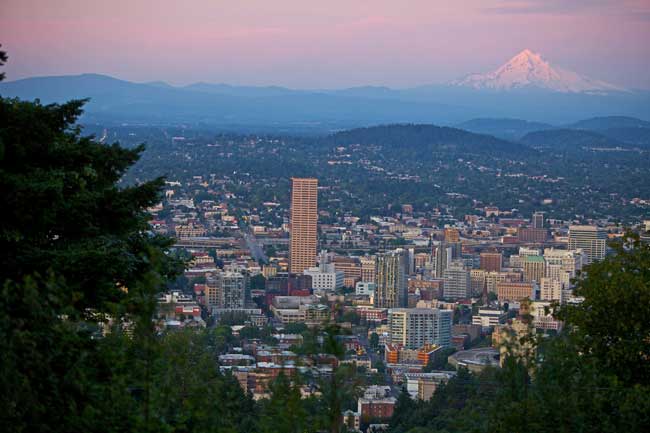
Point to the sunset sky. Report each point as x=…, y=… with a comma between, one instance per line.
x=322, y=44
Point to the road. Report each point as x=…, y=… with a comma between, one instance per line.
x=256, y=250
x=374, y=356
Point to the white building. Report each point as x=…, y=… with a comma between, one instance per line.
x=489, y=317
x=561, y=266
x=551, y=290
x=325, y=276
x=561, y=261
x=457, y=284
x=421, y=386
x=365, y=288
x=591, y=239
x=542, y=313
x=414, y=327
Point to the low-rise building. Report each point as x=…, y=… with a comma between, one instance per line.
x=421, y=386
x=489, y=317
x=376, y=404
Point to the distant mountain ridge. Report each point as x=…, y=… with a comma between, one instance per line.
x=529, y=69
x=317, y=111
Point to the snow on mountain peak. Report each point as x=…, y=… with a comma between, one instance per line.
x=528, y=69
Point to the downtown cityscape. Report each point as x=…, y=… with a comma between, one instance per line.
x=347, y=237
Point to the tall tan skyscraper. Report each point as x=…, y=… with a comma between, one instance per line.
x=304, y=219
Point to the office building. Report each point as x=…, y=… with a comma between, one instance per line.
x=457, y=282
x=304, y=220
x=531, y=235
x=441, y=257
x=325, y=276
x=507, y=291
x=415, y=327
x=420, y=260
x=349, y=266
x=538, y=220
x=489, y=317
x=390, y=278
x=367, y=268
x=534, y=268
x=491, y=261
x=452, y=235
x=517, y=260
x=551, y=290
x=422, y=386
x=226, y=290
x=493, y=278
x=478, y=279
x=563, y=265
x=591, y=239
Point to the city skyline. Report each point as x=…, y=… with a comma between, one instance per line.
x=483, y=246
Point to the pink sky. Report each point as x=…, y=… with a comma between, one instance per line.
x=318, y=44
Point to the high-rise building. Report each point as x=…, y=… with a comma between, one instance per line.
x=452, y=235
x=517, y=260
x=563, y=265
x=491, y=261
x=420, y=260
x=591, y=239
x=414, y=327
x=367, y=268
x=390, y=277
x=534, y=268
x=349, y=266
x=227, y=290
x=441, y=257
x=477, y=279
x=457, y=283
x=538, y=220
x=304, y=220
x=494, y=278
x=551, y=290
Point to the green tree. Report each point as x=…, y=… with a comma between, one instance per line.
x=374, y=340
x=76, y=255
x=190, y=394
x=3, y=60
x=258, y=282
x=612, y=321
x=284, y=412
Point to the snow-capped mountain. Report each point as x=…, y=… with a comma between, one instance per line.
x=528, y=69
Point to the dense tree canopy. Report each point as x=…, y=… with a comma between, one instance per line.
x=76, y=261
